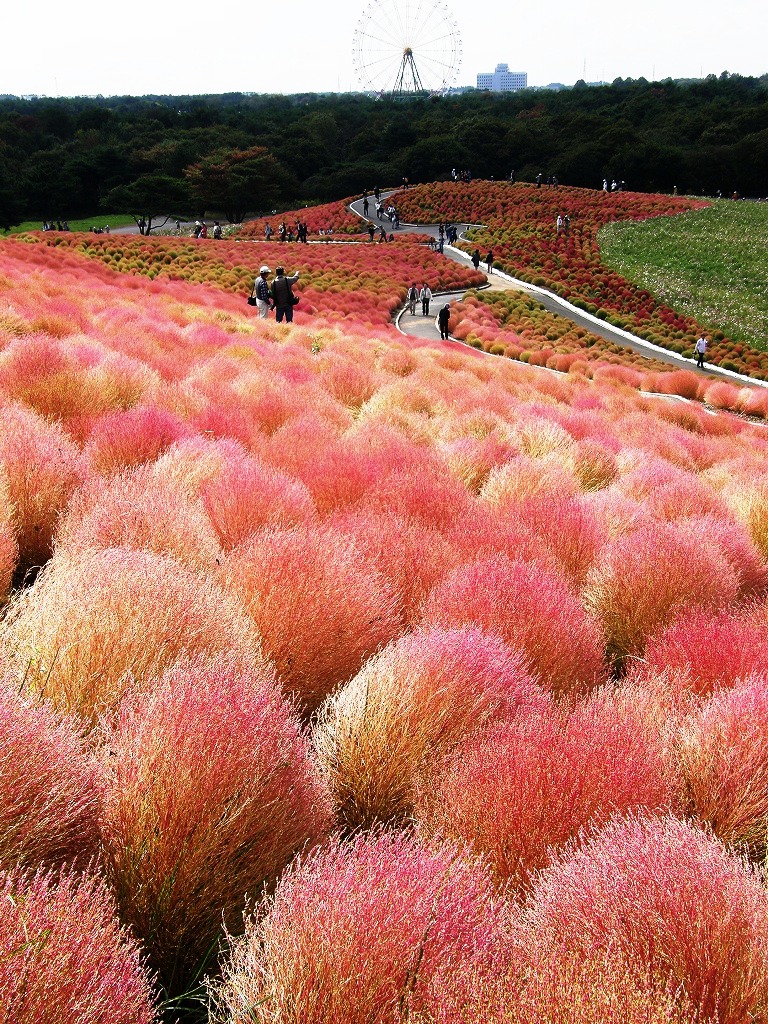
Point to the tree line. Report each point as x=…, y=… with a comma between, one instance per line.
x=246, y=154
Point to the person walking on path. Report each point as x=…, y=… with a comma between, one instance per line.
x=282, y=295
x=413, y=294
x=489, y=261
x=261, y=288
x=426, y=297
x=700, y=349
x=442, y=320
x=476, y=259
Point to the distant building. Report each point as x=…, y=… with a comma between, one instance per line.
x=503, y=80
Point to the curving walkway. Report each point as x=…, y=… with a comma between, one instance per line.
x=551, y=302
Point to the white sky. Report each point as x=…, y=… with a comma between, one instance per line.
x=88, y=47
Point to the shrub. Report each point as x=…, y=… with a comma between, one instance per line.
x=518, y=790
x=708, y=650
x=131, y=437
x=246, y=495
x=670, y=902
x=9, y=549
x=572, y=531
x=210, y=791
x=100, y=623
x=723, y=750
x=140, y=510
x=64, y=958
x=356, y=933
x=529, y=607
x=318, y=608
x=48, y=787
x=42, y=467
x=409, y=705
x=649, y=576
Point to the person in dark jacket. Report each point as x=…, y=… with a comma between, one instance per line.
x=442, y=320
x=282, y=295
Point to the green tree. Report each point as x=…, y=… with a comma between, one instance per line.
x=149, y=198
x=237, y=181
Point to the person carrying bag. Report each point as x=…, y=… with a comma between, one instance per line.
x=282, y=295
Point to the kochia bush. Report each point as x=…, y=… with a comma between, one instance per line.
x=319, y=609
x=529, y=607
x=356, y=934
x=408, y=706
x=64, y=959
x=210, y=791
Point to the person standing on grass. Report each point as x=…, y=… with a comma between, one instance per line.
x=282, y=295
x=413, y=294
x=426, y=297
x=261, y=288
x=699, y=350
x=442, y=320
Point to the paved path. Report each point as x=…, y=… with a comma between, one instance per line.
x=549, y=300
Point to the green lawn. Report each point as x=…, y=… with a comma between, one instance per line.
x=711, y=264
x=116, y=220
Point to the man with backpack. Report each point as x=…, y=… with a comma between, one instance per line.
x=282, y=295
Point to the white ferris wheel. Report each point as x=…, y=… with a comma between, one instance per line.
x=406, y=47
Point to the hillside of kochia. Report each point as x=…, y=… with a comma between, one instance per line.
x=520, y=228
x=484, y=643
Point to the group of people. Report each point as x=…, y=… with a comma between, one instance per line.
x=201, y=229
x=383, y=237
x=424, y=296
x=475, y=258
x=465, y=176
x=550, y=181
x=60, y=225
x=278, y=295
x=618, y=186
x=563, y=224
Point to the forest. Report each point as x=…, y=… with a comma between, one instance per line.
x=244, y=154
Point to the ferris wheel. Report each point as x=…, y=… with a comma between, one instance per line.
x=407, y=46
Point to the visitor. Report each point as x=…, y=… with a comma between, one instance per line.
x=442, y=320
x=282, y=295
x=489, y=261
x=700, y=349
x=261, y=288
x=426, y=297
x=413, y=295
x=476, y=259
x=216, y=229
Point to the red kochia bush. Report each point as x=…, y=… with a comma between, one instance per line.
x=356, y=934
x=647, y=577
x=210, y=791
x=531, y=608
x=723, y=749
x=9, y=549
x=318, y=607
x=518, y=790
x=48, y=787
x=42, y=467
x=670, y=902
x=246, y=495
x=707, y=650
x=102, y=622
x=409, y=705
x=64, y=958
x=128, y=438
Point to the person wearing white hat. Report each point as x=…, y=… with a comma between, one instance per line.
x=261, y=288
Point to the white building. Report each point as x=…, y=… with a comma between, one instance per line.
x=503, y=80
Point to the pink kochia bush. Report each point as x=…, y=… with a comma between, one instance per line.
x=357, y=933
x=519, y=790
x=142, y=510
x=210, y=791
x=647, y=577
x=64, y=958
x=531, y=608
x=667, y=901
x=319, y=608
x=723, y=751
x=99, y=623
x=49, y=787
x=409, y=705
